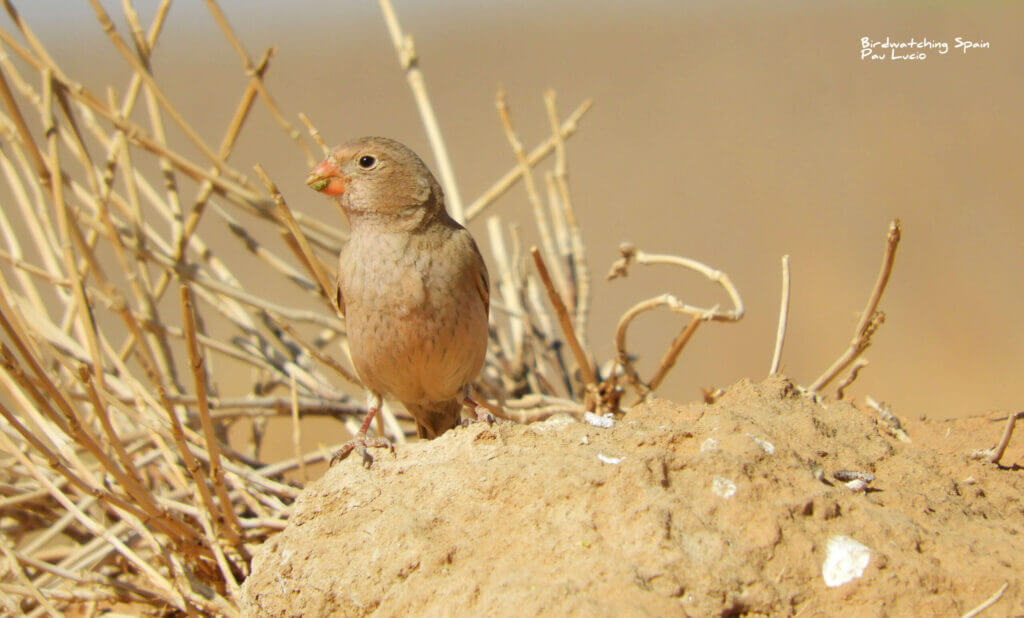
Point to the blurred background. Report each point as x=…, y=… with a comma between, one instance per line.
x=729, y=132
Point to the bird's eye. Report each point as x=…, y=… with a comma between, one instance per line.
x=366, y=162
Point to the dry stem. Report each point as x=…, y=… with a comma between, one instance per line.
x=893, y=423
x=409, y=61
x=780, y=333
x=992, y=600
x=503, y=184
x=589, y=377
x=297, y=431
x=845, y=383
x=993, y=455
x=620, y=268
x=224, y=520
x=672, y=354
x=870, y=319
x=573, y=247
x=550, y=254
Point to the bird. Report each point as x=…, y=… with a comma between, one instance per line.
x=412, y=286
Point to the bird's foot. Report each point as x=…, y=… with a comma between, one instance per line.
x=482, y=416
x=360, y=444
x=482, y=412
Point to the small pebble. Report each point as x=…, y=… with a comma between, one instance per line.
x=857, y=485
x=606, y=421
x=817, y=471
x=850, y=475
x=765, y=445
x=723, y=487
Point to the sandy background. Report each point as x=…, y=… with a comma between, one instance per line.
x=729, y=132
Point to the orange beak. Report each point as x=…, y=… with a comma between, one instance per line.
x=326, y=178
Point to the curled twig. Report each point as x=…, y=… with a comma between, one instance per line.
x=845, y=383
x=620, y=268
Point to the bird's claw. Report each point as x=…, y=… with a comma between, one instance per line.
x=483, y=415
x=360, y=445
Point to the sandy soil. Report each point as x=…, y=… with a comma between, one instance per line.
x=719, y=509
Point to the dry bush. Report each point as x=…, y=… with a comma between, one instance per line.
x=119, y=485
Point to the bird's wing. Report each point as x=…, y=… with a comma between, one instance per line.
x=483, y=284
x=339, y=299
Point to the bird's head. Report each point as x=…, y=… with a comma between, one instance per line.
x=379, y=178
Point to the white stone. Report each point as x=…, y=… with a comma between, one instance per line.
x=597, y=420
x=765, y=445
x=723, y=487
x=845, y=561
x=857, y=485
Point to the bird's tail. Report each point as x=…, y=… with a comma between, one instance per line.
x=435, y=418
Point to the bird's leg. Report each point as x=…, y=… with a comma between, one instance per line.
x=484, y=412
x=360, y=442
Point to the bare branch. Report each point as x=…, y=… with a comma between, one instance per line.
x=589, y=377
x=620, y=268
x=409, y=61
x=503, y=184
x=870, y=318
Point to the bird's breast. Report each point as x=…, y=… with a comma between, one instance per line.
x=384, y=273
x=416, y=326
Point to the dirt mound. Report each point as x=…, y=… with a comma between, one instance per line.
x=727, y=508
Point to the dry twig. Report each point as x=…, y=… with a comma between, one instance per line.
x=589, y=377
x=540, y=217
x=870, y=318
x=409, y=61
x=851, y=375
x=892, y=423
x=620, y=268
x=992, y=600
x=994, y=454
x=780, y=334
x=545, y=148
